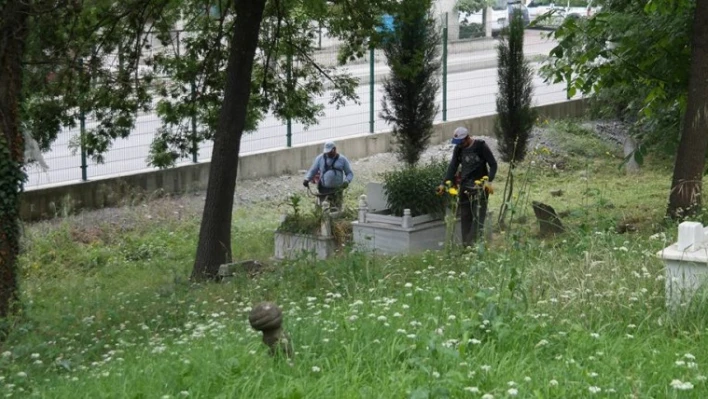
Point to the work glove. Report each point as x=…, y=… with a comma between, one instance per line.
x=488, y=188
x=306, y=183
x=440, y=190
x=345, y=185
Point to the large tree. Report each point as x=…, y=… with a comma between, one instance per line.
x=631, y=59
x=62, y=61
x=13, y=35
x=686, y=184
x=214, y=247
x=646, y=61
x=284, y=82
x=48, y=51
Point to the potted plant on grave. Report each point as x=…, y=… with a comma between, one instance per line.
x=313, y=231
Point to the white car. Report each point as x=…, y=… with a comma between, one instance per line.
x=500, y=16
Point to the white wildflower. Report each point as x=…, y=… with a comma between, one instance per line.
x=681, y=386
x=541, y=343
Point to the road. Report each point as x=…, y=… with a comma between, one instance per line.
x=470, y=93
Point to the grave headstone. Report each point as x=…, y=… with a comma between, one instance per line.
x=376, y=197
x=630, y=145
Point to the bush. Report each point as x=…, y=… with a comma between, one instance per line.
x=414, y=188
x=409, y=102
x=299, y=222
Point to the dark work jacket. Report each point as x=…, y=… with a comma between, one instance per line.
x=476, y=161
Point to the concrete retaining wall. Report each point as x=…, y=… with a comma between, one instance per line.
x=47, y=202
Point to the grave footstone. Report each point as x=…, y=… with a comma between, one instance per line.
x=548, y=220
x=267, y=317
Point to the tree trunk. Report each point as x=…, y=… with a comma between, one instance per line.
x=13, y=34
x=214, y=247
x=506, y=196
x=686, y=185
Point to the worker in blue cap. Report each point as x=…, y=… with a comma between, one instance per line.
x=332, y=173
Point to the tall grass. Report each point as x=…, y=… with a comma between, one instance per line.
x=108, y=311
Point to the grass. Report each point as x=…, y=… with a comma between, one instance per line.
x=108, y=311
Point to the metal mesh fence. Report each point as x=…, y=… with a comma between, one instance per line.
x=470, y=91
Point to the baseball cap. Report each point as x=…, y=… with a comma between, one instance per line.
x=329, y=146
x=460, y=135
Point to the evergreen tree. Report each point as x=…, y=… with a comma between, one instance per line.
x=409, y=102
x=515, y=117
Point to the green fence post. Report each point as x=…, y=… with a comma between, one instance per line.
x=289, y=133
x=444, y=72
x=371, y=90
x=82, y=127
x=195, y=142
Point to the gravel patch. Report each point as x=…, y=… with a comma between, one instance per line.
x=365, y=170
